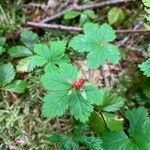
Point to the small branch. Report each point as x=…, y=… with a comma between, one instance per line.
x=53, y=26
x=75, y=6
x=78, y=29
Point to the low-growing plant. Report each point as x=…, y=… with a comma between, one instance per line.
x=101, y=118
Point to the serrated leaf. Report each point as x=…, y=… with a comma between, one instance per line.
x=90, y=14
x=54, y=55
x=25, y=65
x=95, y=40
x=136, y=118
x=55, y=104
x=92, y=143
x=79, y=107
x=19, y=51
x=139, y=133
x=111, y=102
x=18, y=86
x=145, y=67
x=29, y=38
x=113, y=123
x=7, y=74
x=62, y=95
x=86, y=16
x=116, y=141
x=71, y=15
x=65, y=142
x=116, y=16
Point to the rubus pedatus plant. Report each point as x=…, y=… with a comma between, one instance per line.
x=91, y=105
x=68, y=92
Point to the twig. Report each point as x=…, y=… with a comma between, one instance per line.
x=53, y=26
x=78, y=29
x=75, y=6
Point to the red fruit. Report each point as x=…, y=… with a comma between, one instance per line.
x=79, y=84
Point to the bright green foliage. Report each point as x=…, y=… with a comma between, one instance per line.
x=147, y=11
x=25, y=65
x=117, y=141
x=96, y=41
x=116, y=16
x=92, y=142
x=65, y=142
x=111, y=102
x=86, y=16
x=29, y=38
x=2, y=43
x=145, y=67
x=62, y=96
x=71, y=14
x=18, y=86
x=7, y=74
x=113, y=123
x=139, y=132
x=55, y=55
x=72, y=142
x=19, y=51
x=38, y=55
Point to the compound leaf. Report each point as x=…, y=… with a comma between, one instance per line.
x=95, y=40
x=62, y=95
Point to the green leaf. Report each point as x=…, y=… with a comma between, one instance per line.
x=86, y=16
x=2, y=41
x=139, y=133
x=115, y=141
x=7, y=74
x=62, y=96
x=145, y=67
x=2, y=50
x=29, y=38
x=96, y=122
x=89, y=13
x=95, y=40
x=113, y=123
x=93, y=143
x=25, y=65
x=111, y=102
x=136, y=118
x=55, y=104
x=54, y=55
x=18, y=86
x=71, y=15
x=116, y=16
x=64, y=142
x=19, y=51
x=80, y=108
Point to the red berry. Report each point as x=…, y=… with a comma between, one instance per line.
x=79, y=84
